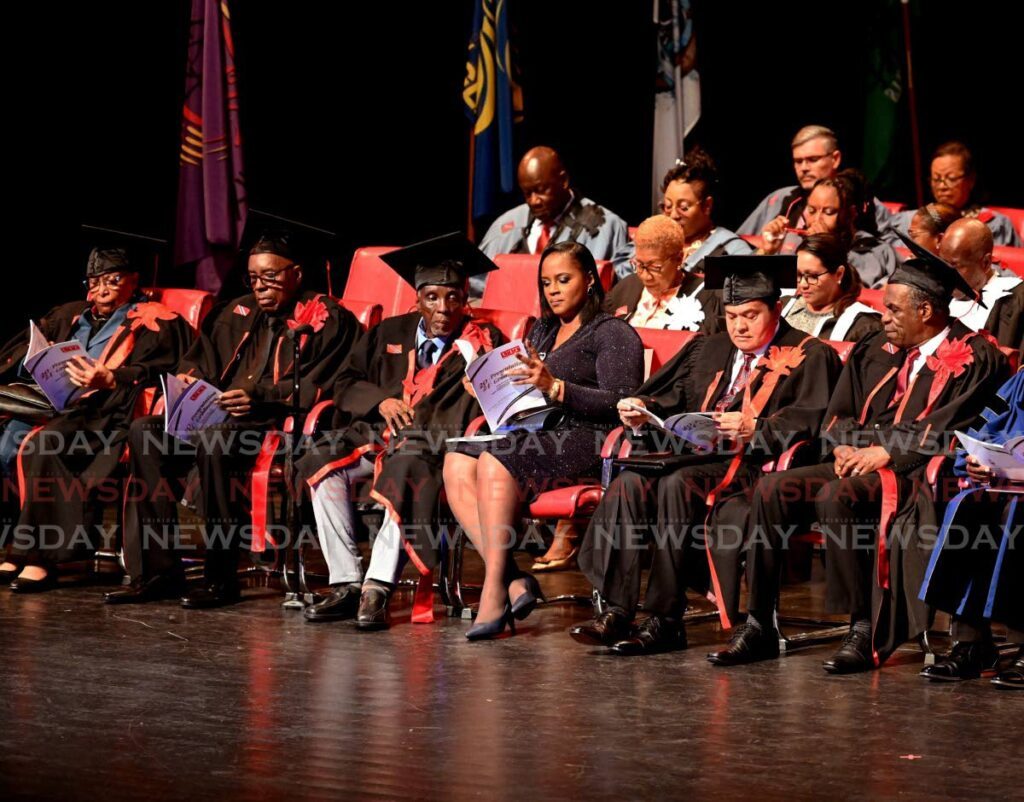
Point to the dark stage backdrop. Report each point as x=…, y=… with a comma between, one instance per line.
x=352, y=114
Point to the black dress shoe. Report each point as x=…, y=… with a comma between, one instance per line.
x=341, y=604
x=966, y=660
x=217, y=595
x=1012, y=679
x=22, y=585
x=748, y=644
x=607, y=628
x=373, y=610
x=853, y=655
x=653, y=635
x=161, y=586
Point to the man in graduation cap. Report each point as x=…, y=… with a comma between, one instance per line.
x=900, y=396
x=129, y=343
x=767, y=386
x=405, y=382
x=247, y=351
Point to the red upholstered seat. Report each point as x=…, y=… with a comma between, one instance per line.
x=1016, y=217
x=872, y=298
x=193, y=305
x=577, y=501
x=514, y=325
x=1010, y=258
x=513, y=286
x=894, y=206
x=368, y=313
x=664, y=344
x=841, y=347
x=372, y=281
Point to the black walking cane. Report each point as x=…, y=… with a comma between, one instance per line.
x=297, y=593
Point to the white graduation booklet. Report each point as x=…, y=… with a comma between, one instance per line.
x=1005, y=459
x=505, y=404
x=696, y=428
x=47, y=365
x=189, y=408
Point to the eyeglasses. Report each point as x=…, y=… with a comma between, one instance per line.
x=272, y=279
x=811, y=279
x=106, y=280
x=947, y=180
x=682, y=207
x=654, y=268
x=811, y=160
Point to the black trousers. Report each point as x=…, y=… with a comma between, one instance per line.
x=222, y=460
x=668, y=512
x=848, y=512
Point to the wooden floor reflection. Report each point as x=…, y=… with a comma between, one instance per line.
x=250, y=702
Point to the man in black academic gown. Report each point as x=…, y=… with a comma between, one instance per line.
x=129, y=343
x=901, y=395
x=245, y=350
x=404, y=384
x=768, y=385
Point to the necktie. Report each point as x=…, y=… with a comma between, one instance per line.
x=544, y=239
x=737, y=384
x=425, y=355
x=903, y=377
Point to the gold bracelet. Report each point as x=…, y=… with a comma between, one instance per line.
x=556, y=388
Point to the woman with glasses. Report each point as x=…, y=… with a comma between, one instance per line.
x=825, y=303
x=954, y=182
x=929, y=223
x=834, y=206
x=689, y=192
x=661, y=293
x=584, y=361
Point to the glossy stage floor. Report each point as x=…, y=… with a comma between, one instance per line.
x=251, y=702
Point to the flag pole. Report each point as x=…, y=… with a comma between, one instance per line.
x=677, y=74
x=470, y=230
x=915, y=133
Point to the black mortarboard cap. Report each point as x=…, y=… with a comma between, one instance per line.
x=928, y=272
x=111, y=250
x=290, y=239
x=448, y=260
x=749, y=278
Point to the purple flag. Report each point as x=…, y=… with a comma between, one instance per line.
x=211, y=184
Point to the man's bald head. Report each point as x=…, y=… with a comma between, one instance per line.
x=967, y=246
x=544, y=183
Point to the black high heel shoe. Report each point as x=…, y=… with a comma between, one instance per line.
x=7, y=575
x=528, y=600
x=486, y=630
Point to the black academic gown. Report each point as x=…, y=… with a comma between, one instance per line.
x=240, y=347
x=882, y=583
x=675, y=504
x=408, y=471
x=1006, y=320
x=58, y=484
x=622, y=300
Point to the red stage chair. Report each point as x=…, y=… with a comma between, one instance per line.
x=873, y=298
x=632, y=232
x=1010, y=258
x=522, y=279
x=894, y=206
x=1016, y=217
x=193, y=305
x=370, y=280
x=368, y=314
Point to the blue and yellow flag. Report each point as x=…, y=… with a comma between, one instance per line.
x=494, y=102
